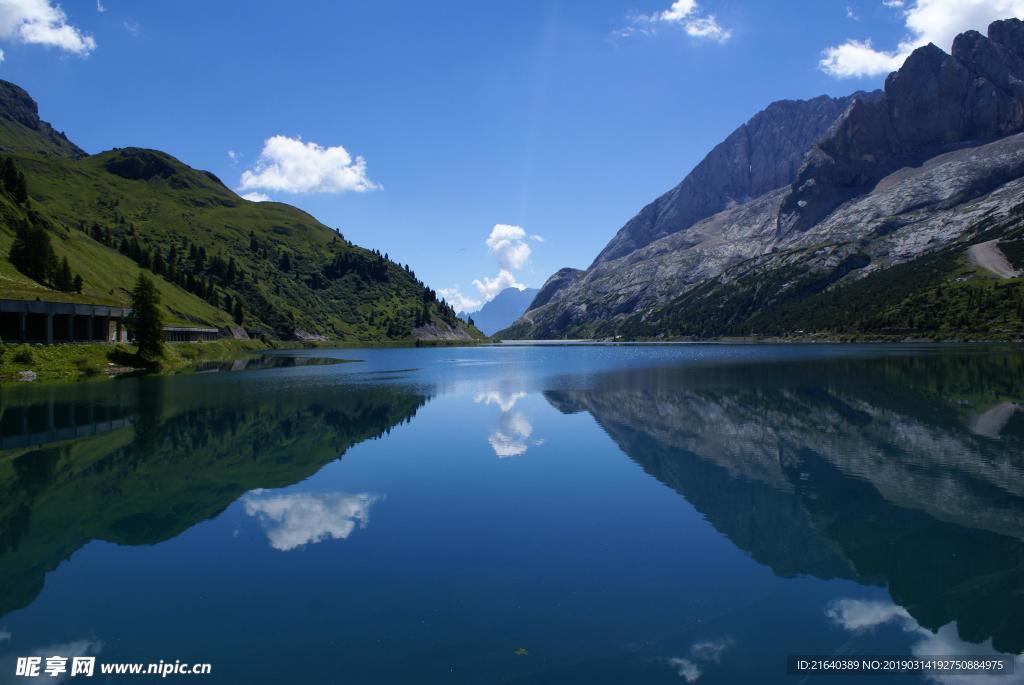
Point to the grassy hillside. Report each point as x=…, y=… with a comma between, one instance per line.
x=120, y=211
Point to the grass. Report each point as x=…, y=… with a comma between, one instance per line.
x=70, y=362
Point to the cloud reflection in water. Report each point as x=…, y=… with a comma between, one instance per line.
x=511, y=437
x=860, y=616
x=295, y=520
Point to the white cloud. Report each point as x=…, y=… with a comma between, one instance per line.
x=686, y=669
x=504, y=402
x=510, y=437
x=299, y=519
x=232, y=155
x=460, y=302
x=100, y=7
x=510, y=440
x=854, y=59
x=850, y=14
x=707, y=27
x=256, y=197
x=508, y=244
x=38, y=22
x=69, y=650
x=488, y=287
x=684, y=14
x=292, y=165
x=1, y=55
x=710, y=650
x=858, y=615
x=927, y=21
x=679, y=10
x=704, y=652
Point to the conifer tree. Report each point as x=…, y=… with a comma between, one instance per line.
x=145, y=323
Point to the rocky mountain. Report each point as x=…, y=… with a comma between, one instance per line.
x=502, y=311
x=889, y=194
x=761, y=155
x=218, y=260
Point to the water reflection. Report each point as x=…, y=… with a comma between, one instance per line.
x=262, y=362
x=177, y=457
x=700, y=657
x=859, y=616
x=70, y=650
x=900, y=476
x=302, y=518
x=511, y=436
x=873, y=470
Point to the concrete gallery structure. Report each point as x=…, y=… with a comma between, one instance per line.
x=54, y=322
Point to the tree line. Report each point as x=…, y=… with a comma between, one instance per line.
x=188, y=267
x=32, y=251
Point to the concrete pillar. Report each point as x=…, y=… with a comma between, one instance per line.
x=118, y=338
x=49, y=329
x=22, y=326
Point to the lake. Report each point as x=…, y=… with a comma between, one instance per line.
x=590, y=514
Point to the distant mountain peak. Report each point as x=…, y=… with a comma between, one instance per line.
x=501, y=311
x=26, y=132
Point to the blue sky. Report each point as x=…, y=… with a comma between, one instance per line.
x=559, y=118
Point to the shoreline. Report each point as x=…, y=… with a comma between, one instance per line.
x=77, y=362
x=32, y=363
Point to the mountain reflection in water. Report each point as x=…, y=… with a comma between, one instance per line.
x=874, y=471
x=163, y=464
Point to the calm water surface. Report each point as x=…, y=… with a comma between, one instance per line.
x=521, y=515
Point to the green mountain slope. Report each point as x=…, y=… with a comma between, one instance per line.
x=221, y=258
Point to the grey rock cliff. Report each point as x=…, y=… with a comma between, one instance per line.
x=934, y=103
x=763, y=154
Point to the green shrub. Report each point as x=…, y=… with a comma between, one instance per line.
x=122, y=355
x=87, y=367
x=23, y=354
